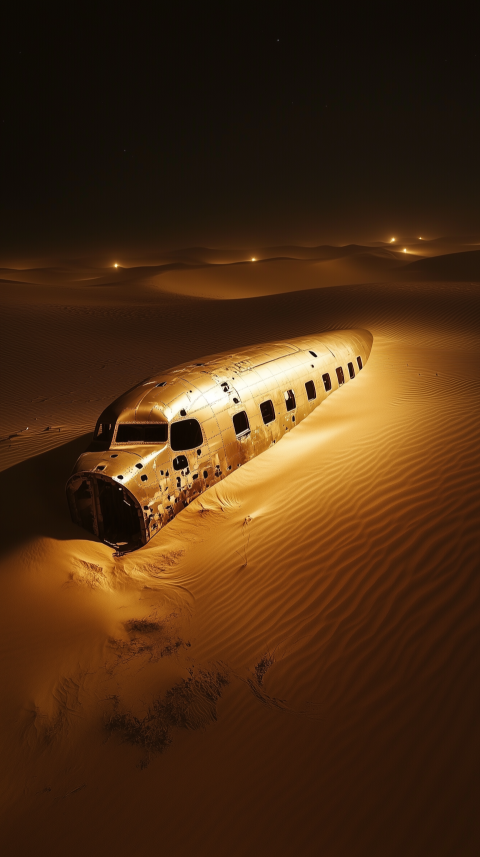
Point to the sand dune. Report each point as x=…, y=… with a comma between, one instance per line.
x=275, y=275
x=306, y=634
x=452, y=266
x=236, y=273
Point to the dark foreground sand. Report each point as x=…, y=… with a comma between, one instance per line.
x=306, y=635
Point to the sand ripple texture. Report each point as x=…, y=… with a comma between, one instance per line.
x=333, y=584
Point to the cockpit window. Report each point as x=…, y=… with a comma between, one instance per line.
x=104, y=432
x=142, y=433
x=186, y=434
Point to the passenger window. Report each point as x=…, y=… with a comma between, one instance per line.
x=351, y=370
x=268, y=412
x=311, y=391
x=340, y=375
x=312, y=353
x=290, y=400
x=185, y=434
x=327, y=382
x=142, y=433
x=359, y=361
x=241, y=424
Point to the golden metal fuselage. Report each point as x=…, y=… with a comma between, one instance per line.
x=125, y=492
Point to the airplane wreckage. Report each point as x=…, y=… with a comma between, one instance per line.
x=170, y=438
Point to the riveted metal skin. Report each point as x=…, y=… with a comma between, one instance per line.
x=235, y=405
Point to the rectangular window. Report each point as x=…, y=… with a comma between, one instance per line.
x=340, y=375
x=290, y=400
x=327, y=382
x=268, y=412
x=359, y=361
x=241, y=424
x=351, y=370
x=142, y=433
x=311, y=391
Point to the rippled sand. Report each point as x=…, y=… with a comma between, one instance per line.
x=290, y=667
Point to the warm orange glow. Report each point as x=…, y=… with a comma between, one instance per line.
x=392, y=240
x=116, y=265
x=253, y=259
x=404, y=249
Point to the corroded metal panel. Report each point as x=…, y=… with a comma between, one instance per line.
x=185, y=429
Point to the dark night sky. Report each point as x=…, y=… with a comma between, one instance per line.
x=140, y=128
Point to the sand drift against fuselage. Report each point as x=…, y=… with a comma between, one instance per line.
x=170, y=438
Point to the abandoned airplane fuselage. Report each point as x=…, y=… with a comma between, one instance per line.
x=167, y=440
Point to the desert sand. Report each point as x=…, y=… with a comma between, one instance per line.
x=290, y=666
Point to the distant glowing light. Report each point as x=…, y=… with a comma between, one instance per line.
x=420, y=238
x=253, y=259
x=392, y=240
x=404, y=249
x=116, y=265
